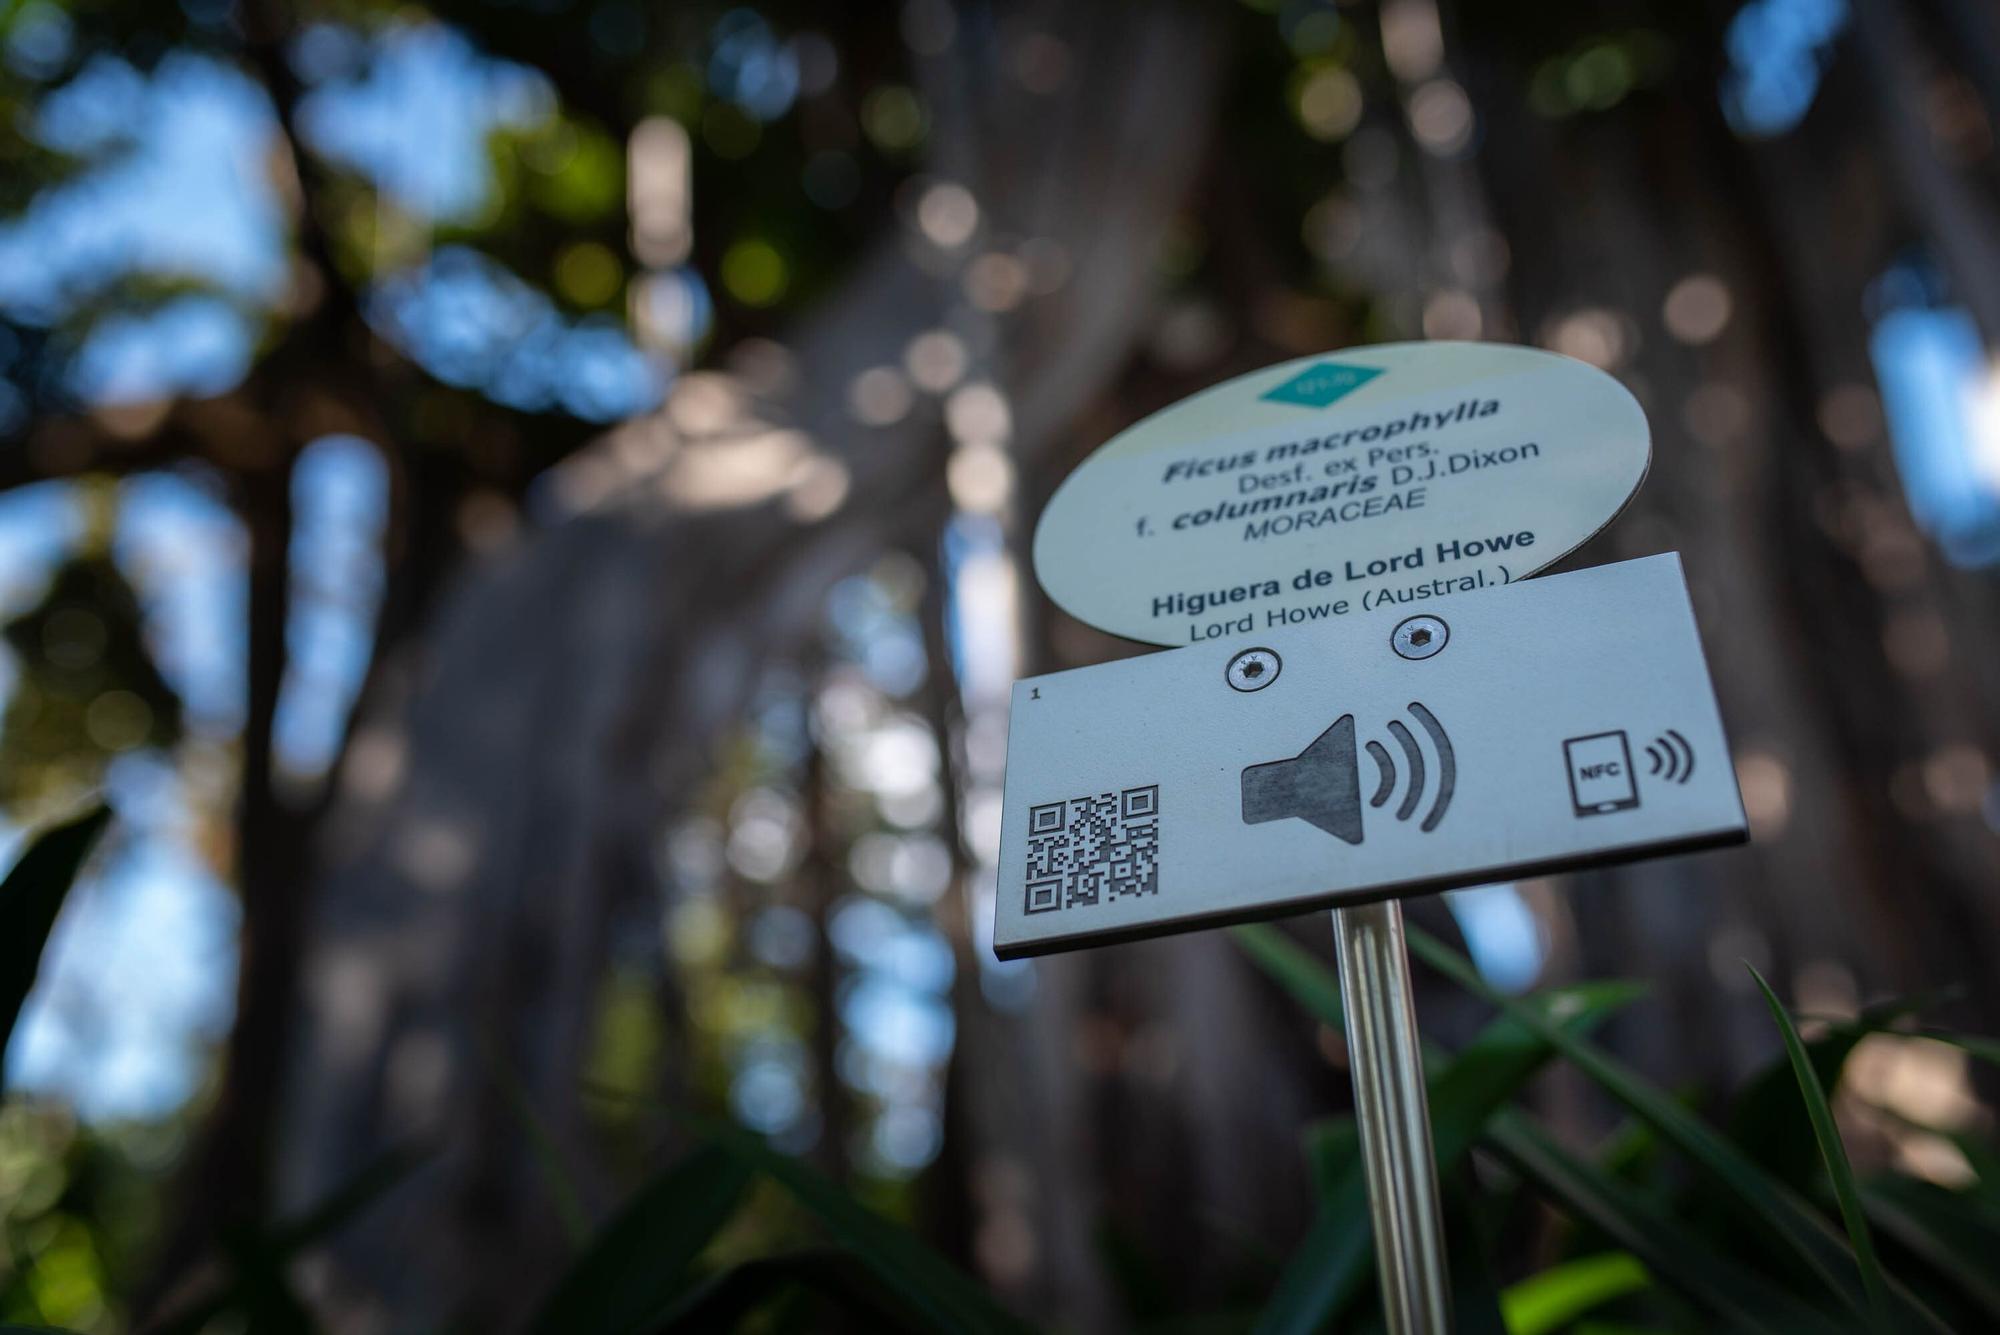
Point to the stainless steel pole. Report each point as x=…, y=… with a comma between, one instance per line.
x=1393, y=1113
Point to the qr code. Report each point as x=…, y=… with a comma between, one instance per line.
x=1091, y=849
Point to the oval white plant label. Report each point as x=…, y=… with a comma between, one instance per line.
x=1341, y=483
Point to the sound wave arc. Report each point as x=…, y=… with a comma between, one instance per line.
x=1415, y=760
x=1447, y=765
x=1385, y=773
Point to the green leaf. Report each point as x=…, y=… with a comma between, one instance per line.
x=1562, y=1293
x=1776, y=1211
x=638, y=1264
x=260, y=1259
x=1507, y=1054
x=1742, y=1299
x=1837, y=1167
x=1948, y=1232
x=1766, y=1120
x=30, y=898
x=1333, y=1147
x=1329, y=1265
x=1475, y=1294
x=935, y=1288
x=568, y=1201
x=1293, y=968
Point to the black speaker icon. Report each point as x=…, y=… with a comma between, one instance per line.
x=1322, y=784
x=1671, y=756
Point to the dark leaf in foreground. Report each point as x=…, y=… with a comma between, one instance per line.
x=31, y=897
x=637, y=1265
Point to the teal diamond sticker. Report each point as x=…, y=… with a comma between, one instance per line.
x=1322, y=383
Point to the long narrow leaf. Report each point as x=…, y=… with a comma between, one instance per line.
x=1766, y=1120
x=1953, y=1237
x=637, y=1265
x=1475, y=1293
x=359, y=1192
x=1741, y=1299
x=922, y=1278
x=1788, y=1220
x=260, y=1259
x=1559, y=1295
x=1837, y=1167
x=542, y=1148
x=722, y=1302
x=31, y=897
x=1293, y=968
x=1327, y=1268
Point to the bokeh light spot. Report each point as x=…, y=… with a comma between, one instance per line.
x=754, y=272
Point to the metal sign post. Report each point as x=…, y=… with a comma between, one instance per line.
x=1393, y=1113
x=1370, y=704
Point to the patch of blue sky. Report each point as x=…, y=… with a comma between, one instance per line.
x=1507, y=942
x=191, y=345
x=416, y=116
x=1777, y=51
x=38, y=524
x=903, y=1024
x=140, y=971
x=340, y=498
x=177, y=188
x=472, y=323
x=1941, y=397
x=184, y=551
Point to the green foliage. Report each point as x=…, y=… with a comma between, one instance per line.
x=917, y=1276
x=77, y=1213
x=1327, y=1271
x=1835, y=1154
x=631, y=1274
x=258, y=1292
x=1559, y=1295
x=1641, y=1247
x=88, y=688
x=1639, y=1252
x=1808, y=1248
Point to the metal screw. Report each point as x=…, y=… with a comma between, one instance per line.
x=1420, y=637
x=1253, y=669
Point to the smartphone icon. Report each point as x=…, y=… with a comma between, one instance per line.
x=1600, y=773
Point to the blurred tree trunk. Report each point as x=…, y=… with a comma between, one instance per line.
x=511, y=773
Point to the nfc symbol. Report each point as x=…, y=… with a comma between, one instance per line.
x=1322, y=784
x=1672, y=757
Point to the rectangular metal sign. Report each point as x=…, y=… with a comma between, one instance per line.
x=1539, y=726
